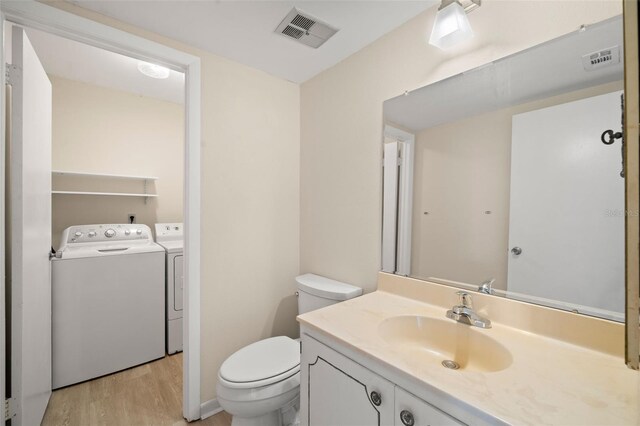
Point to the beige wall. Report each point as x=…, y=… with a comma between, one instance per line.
x=341, y=126
x=463, y=169
x=107, y=131
x=250, y=203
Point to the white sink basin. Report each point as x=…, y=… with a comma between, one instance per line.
x=435, y=341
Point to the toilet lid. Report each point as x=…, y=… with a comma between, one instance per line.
x=262, y=360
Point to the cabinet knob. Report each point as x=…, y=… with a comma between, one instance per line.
x=407, y=418
x=376, y=398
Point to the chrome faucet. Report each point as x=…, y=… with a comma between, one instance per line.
x=487, y=286
x=463, y=312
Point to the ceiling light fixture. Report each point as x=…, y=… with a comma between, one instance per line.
x=153, y=70
x=452, y=25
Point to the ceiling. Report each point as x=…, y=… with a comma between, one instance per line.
x=243, y=31
x=68, y=59
x=540, y=72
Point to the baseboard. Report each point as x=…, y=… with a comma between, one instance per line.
x=209, y=408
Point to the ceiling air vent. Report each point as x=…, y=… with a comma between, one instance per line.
x=601, y=58
x=292, y=32
x=305, y=29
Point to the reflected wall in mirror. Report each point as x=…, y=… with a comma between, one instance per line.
x=509, y=179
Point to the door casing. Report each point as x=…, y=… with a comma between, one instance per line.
x=46, y=18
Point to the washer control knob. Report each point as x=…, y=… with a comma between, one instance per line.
x=376, y=398
x=127, y=231
x=92, y=234
x=78, y=234
x=109, y=233
x=407, y=419
x=139, y=231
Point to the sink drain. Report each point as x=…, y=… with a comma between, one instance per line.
x=450, y=364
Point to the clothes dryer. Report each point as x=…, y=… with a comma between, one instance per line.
x=170, y=236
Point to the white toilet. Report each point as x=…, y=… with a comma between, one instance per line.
x=260, y=383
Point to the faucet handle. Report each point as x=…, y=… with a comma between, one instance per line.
x=489, y=281
x=487, y=286
x=465, y=299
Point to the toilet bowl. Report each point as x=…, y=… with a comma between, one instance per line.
x=260, y=379
x=259, y=385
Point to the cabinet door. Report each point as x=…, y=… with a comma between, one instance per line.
x=338, y=391
x=413, y=411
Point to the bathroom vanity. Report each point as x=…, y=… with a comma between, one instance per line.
x=382, y=359
x=343, y=391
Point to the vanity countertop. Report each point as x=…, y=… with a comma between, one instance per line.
x=549, y=381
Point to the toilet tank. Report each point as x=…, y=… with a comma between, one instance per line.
x=315, y=292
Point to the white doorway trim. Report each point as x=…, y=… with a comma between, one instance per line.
x=403, y=202
x=46, y=18
x=3, y=251
x=390, y=171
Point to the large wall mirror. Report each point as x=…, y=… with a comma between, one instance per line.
x=508, y=179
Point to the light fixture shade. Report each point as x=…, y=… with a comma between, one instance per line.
x=451, y=27
x=153, y=70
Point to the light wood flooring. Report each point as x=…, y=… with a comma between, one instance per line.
x=150, y=394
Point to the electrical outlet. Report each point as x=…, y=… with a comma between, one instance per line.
x=131, y=218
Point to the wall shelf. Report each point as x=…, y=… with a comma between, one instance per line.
x=120, y=194
x=101, y=175
x=106, y=176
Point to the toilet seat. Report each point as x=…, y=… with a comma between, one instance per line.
x=261, y=393
x=261, y=364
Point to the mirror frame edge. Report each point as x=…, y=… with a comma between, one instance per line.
x=632, y=184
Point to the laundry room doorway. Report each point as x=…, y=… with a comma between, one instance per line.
x=108, y=181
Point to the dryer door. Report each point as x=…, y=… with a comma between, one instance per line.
x=178, y=280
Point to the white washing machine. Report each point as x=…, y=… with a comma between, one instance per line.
x=171, y=236
x=107, y=301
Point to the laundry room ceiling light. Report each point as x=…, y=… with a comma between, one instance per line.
x=153, y=70
x=452, y=25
